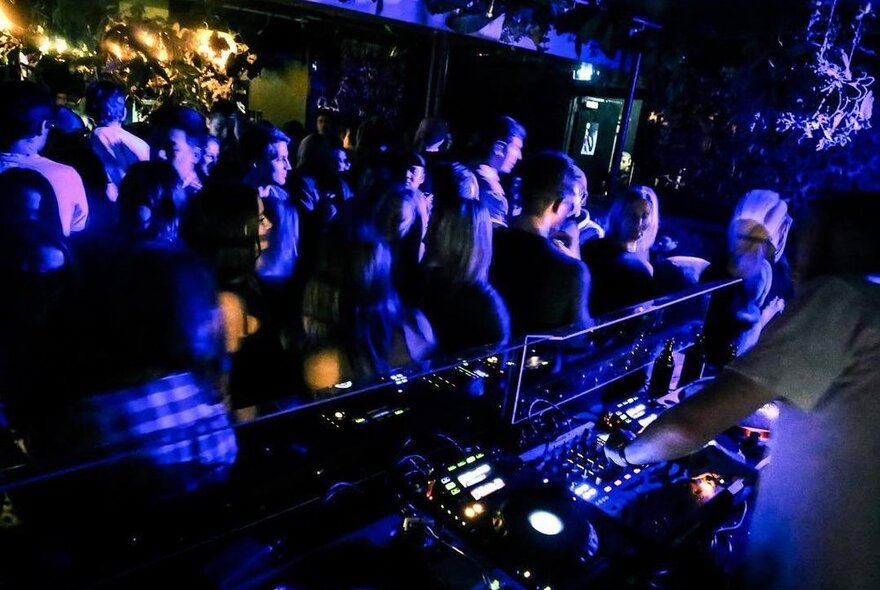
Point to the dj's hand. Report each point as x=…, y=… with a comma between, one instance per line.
x=615, y=448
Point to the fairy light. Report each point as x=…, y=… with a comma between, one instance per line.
x=846, y=100
x=218, y=57
x=146, y=38
x=6, y=23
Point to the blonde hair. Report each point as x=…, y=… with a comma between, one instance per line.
x=617, y=214
x=759, y=228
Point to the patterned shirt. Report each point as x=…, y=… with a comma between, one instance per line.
x=170, y=421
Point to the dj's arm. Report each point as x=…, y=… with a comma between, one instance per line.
x=687, y=427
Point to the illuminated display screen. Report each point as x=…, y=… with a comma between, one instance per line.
x=477, y=481
x=485, y=489
x=474, y=476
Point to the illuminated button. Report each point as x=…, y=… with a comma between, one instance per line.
x=455, y=492
x=608, y=488
x=617, y=482
x=446, y=479
x=480, y=455
x=470, y=459
x=450, y=485
x=627, y=476
x=487, y=488
x=636, y=411
x=647, y=420
x=586, y=491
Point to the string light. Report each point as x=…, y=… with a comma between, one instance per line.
x=6, y=23
x=216, y=46
x=845, y=104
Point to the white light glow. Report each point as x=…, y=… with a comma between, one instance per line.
x=584, y=72
x=546, y=523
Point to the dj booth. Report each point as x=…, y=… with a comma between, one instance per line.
x=486, y=471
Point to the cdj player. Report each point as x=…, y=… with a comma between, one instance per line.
x=661, y=502
x=534, y=529
x=561, y=516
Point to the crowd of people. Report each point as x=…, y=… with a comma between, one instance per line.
x=365, y=253
x=163, y=273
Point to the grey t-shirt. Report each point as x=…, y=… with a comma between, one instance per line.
x=817, y=520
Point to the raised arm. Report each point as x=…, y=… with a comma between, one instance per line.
x=687, y=427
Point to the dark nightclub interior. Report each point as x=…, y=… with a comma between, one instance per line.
x=439, y=294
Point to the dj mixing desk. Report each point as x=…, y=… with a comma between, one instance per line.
x=486, y=471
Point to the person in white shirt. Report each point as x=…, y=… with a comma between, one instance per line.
x=25, y=119
x=117, y=148
x=816, y=523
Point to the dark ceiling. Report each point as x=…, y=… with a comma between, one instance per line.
x=708, y=34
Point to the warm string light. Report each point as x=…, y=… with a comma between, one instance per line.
x=6, y=24
x=216, y=46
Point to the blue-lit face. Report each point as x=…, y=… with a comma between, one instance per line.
x=511, y=155
x=180, y=153
x=279, y=164
x=636, y=221
x=210, y=155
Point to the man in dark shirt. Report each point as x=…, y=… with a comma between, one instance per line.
x=543, y=288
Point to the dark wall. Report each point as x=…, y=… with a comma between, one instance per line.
x=534, y=90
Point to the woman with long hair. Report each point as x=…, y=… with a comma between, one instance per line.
x=620, y=265
x=756, y=238
x=354, y=325
x=401, y=216
x=149, y=203
x=465, y=310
